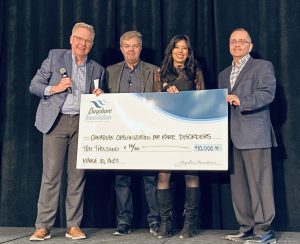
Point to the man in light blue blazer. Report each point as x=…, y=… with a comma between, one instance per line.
x=251, y=84
x=62, y=78
x=133, y=75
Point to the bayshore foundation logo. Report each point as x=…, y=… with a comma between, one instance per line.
x=98, y=111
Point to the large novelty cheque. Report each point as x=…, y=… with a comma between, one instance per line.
x=154, y=131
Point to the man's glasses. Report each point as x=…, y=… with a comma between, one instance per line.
x=82, y=40
x=239, y=42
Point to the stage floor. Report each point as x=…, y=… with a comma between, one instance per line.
x=21, y=235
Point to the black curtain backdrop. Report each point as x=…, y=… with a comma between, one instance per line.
x=29, y=29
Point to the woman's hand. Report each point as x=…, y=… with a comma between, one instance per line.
x=172, y=89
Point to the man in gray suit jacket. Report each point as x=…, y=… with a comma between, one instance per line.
x=62, y=78
x=251, y=84
x=132, y=75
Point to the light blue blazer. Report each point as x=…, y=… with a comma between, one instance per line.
x=49, y=75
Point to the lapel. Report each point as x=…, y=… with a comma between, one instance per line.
x=145, y=75
x=116, y=77
x=242, y=73
x=227, y=73
x=89, y=75
x=68, y=62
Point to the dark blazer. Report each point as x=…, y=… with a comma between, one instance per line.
x=114, y=72
x=250, y=124
x=49, y=75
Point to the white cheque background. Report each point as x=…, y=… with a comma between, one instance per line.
x=133, y=133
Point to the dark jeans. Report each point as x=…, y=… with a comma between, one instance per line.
x=124, y=197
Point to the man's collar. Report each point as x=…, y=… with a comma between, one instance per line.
x=242, y=61
x=74, y=58
x=134, y=66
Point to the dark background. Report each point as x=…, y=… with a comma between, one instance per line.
x=29, y=29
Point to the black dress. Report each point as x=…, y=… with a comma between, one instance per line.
x=182, y=81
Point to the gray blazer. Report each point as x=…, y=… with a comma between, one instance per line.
x=49, y=75
x=114, y=72
x=250, y=124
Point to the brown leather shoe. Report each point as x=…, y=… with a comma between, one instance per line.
x=75, y=233
x=40, y=234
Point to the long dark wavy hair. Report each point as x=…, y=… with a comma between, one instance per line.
x=190, y=64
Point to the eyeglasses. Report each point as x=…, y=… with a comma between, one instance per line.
x=239, y=42
x=82, y=40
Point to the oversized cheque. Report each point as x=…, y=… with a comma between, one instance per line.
x=184, y=131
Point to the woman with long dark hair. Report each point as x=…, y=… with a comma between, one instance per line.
x=179, y=72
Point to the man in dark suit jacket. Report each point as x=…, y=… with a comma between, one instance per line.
x=132, y=75
x=251, y=84
x=62, y=78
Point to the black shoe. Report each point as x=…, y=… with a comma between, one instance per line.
x=239, y=236
x=165, y=230
x=267, y=238
x=154, y=229
x=188, y=230
x=122, y=230
x=187, y=233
